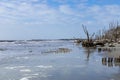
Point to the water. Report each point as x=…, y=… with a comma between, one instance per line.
x=53, y=60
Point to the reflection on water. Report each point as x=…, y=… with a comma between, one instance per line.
x=88, y=51
x=110, y=62
x=110, y=56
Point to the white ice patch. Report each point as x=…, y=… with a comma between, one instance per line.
x=27, y=78
x=25, y=70
x=112, y=79
x=22, y=58
x=24, y=78
x=45, y=67
x=10, y=67
x=36, y=74
x=44, y=75
x=14, y=67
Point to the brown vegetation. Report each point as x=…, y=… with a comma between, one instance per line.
x=110, y=35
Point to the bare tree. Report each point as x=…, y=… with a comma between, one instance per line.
x=89, y=37
x=86, y=32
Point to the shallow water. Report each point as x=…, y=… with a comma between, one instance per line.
x=45, y=60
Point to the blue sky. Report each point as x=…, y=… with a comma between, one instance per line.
x=55, y=19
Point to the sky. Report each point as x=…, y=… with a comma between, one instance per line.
x=55, y=19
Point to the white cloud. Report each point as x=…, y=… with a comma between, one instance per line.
x=72, y=1
x=66, y=9
x=24, y=11
x=113, y=10
x=19, y=17
x=28, y=12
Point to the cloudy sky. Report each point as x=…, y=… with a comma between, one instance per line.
x=54, y=19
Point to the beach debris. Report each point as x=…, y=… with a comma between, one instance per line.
x=111, y=45
x=99, y=43
x=106, y=49
x=88, y=44
x=59, y=50
x=78, y=41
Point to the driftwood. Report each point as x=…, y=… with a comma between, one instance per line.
x=88, y=44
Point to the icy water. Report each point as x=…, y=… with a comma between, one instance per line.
x=54, y=60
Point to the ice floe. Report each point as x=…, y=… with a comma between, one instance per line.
x=42, y=66
x=22, y=58
x=25, y=78
x=35, y=74
x=14, y=67
x=25, y=70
